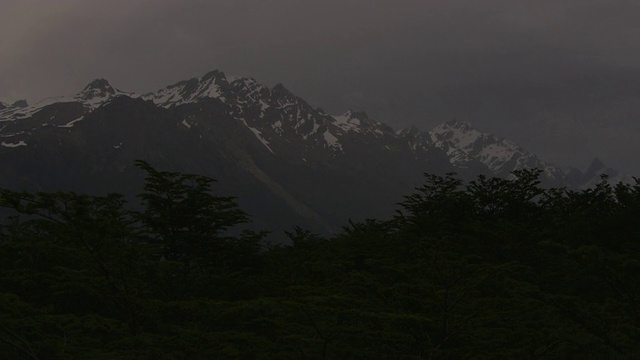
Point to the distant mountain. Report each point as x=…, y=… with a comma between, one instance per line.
x=289, y=163
x=467, y=146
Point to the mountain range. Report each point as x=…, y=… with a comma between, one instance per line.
x=287, y=162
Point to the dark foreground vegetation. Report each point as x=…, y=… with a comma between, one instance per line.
x=492, y=269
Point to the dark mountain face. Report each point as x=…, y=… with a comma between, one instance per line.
x=99, y=88
x=287, y=162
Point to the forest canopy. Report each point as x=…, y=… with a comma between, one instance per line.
x=490, y=269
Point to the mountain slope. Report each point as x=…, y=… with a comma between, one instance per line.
x=289, y=163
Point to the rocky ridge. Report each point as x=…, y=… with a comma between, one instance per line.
x=266, y=145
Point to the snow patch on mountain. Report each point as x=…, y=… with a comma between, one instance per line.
x=331, y=140
x=277, y=127
x=72, y=122
x=23, y=110
x=348, y=122
x=13, y=145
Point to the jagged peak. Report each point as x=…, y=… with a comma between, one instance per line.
x=193, y=82
x=458, y=124
x=596, y=166
x=3, y=105
x=279, y=89
x=598, y=171
x=347, y=114
x=243, y=80
x=99, y=84
x=98, y=88
x=249, y=85
x=361, y=115
x=19, y=104
x=216, y=75
x=247, y=82
x=357, y=115
x=211, y=85
x=359, y=121
x=210, y=80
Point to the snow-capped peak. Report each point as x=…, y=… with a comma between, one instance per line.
x=211, y=85
x=98, y=88
x=249, y=89
x=463, y=143
x=460, y=135
x=96, y=93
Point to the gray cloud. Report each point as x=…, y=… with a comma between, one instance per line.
x=559, y=77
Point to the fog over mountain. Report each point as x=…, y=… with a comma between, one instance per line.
x=560, y=79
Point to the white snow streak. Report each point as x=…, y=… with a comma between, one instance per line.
x=71, y=123
x=347, y=123
x=331, y=140
x=258, y=134
x=14, y=145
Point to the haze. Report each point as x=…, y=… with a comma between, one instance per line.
x=561, y=78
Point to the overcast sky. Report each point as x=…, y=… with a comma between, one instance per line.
x=559, y=77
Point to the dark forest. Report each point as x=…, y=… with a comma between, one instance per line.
x=493, y=268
